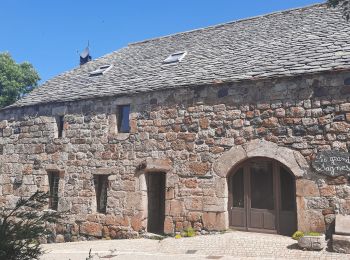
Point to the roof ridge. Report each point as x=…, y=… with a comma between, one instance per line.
x=228, y=23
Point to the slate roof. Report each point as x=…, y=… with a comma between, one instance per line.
x=298, y=41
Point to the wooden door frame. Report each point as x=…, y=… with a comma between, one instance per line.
x=247, y=192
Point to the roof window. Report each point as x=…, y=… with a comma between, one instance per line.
x=175, y=57
x=101, y=70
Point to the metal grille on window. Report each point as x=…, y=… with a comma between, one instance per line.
x=53, y=182
x=101, y=183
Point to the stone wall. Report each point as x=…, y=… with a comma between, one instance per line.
x=187, y=130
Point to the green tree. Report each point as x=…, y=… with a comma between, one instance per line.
x=23, y=226
x=16, y=80
x=345, y=4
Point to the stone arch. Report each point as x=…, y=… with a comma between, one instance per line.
x=291, y=159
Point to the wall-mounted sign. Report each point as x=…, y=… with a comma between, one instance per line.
x=332, y=163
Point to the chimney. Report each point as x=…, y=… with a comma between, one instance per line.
x=85, y=56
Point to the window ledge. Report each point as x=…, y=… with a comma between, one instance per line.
x=121, y=136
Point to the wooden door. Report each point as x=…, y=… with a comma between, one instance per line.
x=261, y=210
x=156, y=202
x=238, y=217
x=262, y=197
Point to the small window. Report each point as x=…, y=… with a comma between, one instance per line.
x=60, y=126
x=100, y=71
x=123, y=119
x=53, y=182
x=101, y=182
x=175, y=57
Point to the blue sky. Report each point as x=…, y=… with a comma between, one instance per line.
x=51, y=33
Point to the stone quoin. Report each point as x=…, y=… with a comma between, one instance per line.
x=222, y=133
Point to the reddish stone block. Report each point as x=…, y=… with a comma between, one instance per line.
x=336, y=181
x=327, y=191
x=204, y=123
x=194, y=216
x=97, y=217
x=213, y=221
x=328, y=211
x=136, y=222
x=306, y=188
x=191, y=183
x=199, y=168
x=194, y=203
x=91, y=229
x=347, y=116
x=105, y=232
x=168, y=225
x=311, y=220
x=197, y=226
x=171, y=136
x=117, y=220
x=280, y=112
x=249, y=114
x=296, y=112
x=133, y=126
x=270, y=122
x=176, y=208
x=217, y=149
x=339, y=127
x=28, y=169
x=239, y=140
x=178, y=145
x=179, y=226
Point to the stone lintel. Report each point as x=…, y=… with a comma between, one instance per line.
x=104, y=171
x=156, y=165
x=56, y=168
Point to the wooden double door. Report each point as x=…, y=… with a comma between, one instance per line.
x=262, y=197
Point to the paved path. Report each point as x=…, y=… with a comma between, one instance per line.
x=231, y=245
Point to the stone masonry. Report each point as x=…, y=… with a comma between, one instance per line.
x=185, y=133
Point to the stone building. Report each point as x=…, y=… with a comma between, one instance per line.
x=244, y=124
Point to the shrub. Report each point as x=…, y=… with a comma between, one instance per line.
x=190, y=232
x=23, y=226
x=178, y=236
x=297, y=235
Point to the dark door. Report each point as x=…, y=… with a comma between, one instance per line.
x=156, y=202
x=262, y=197
x=287, y=216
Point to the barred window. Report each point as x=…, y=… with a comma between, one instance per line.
x=53, y=182
x=101, y=183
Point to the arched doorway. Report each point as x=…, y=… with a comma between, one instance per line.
x=262, y=197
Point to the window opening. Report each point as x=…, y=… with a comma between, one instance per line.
x=175, y=57
x=60, y=125
x=53, y=183
x=123, y=119
x=101, y=70
x=101, y=183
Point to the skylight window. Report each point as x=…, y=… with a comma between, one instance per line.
x=100, y=71
x=175, y=57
